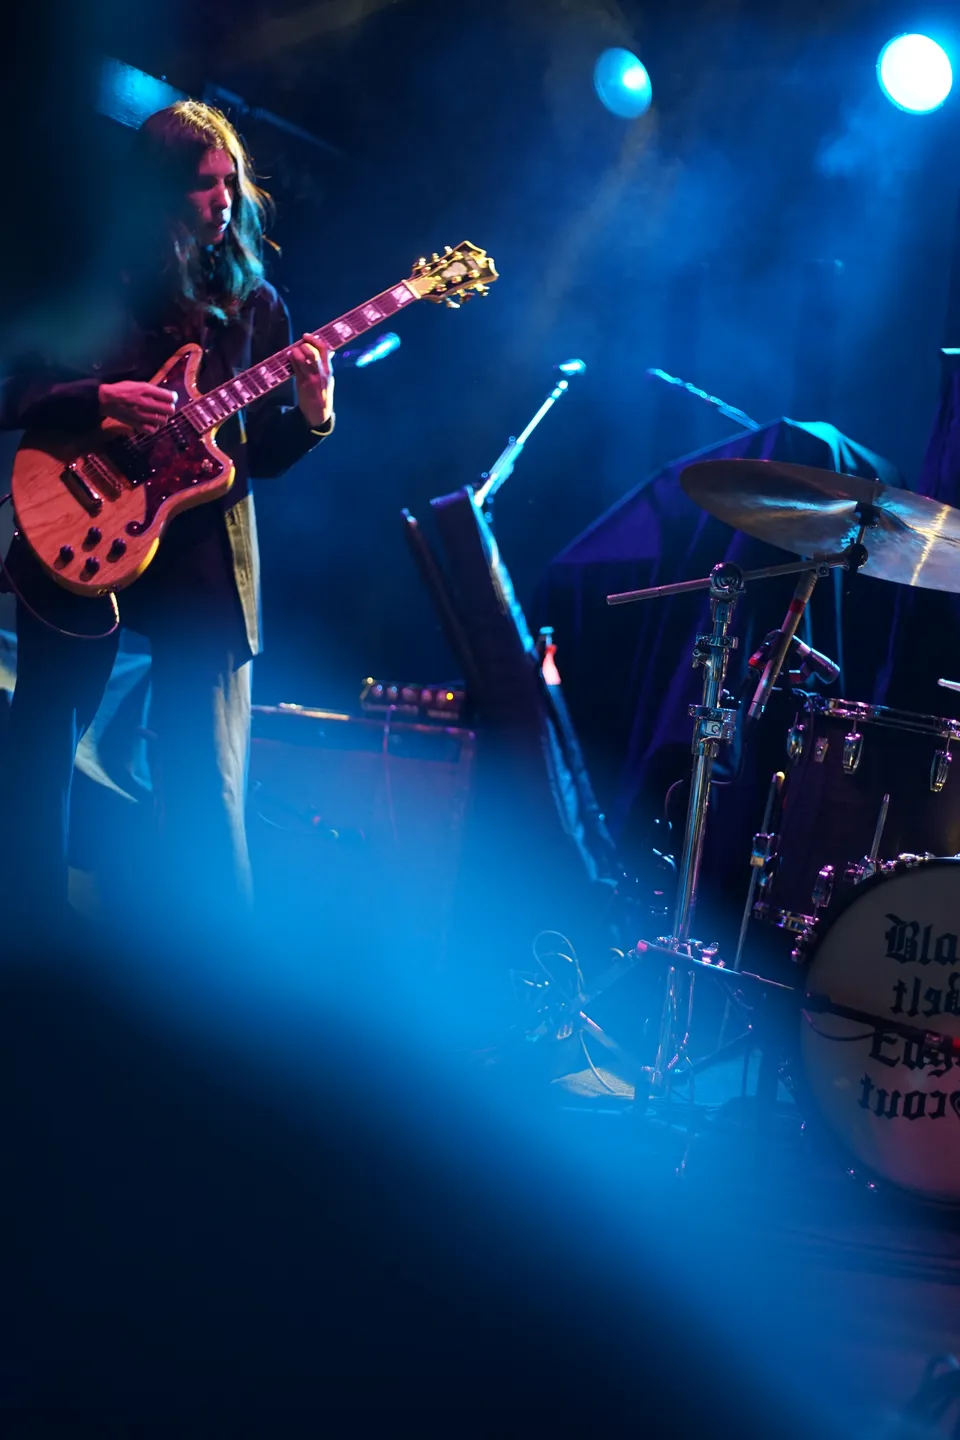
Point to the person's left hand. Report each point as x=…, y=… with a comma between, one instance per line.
x=310, y=359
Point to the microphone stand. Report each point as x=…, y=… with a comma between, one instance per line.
x=715, y=725
x=502, y=468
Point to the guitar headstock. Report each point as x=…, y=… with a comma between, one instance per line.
x=455, y=276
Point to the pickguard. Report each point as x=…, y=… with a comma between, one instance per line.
x=175, y=462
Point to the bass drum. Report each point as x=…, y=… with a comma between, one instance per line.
x=887, y=1092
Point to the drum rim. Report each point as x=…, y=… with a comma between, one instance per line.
x=810, y=1111
x=849, y=898
x=942, y=726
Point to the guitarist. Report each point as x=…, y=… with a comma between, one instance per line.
x=197, y=274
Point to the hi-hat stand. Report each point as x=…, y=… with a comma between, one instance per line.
x=715, y=725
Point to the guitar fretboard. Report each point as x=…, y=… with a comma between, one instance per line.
x=219, y=404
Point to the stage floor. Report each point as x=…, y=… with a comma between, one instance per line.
x=870, y=1277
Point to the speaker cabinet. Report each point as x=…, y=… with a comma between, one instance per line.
x=356, y=825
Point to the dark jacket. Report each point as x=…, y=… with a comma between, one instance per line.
x=209, y=552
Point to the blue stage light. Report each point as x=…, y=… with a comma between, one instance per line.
x=915, y=73
x=379, y=350
x=130, y=95
x=622, y=84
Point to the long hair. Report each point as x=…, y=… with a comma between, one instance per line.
x=195, y=283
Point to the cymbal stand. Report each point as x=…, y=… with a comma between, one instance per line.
x=713, y=726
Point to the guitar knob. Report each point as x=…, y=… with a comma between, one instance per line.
x=208, y=467
x=117, y=549
x=66, y=554
x=91, y=566
x=94, y=535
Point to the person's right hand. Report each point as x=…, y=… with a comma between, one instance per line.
x=135, y=403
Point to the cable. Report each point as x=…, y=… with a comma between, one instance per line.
x=839, y=1039
x=666, y=799
x=558, y=954
x=58, y=629
x=586, y=1053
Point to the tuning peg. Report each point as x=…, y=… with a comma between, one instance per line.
x=452, y=304
x=481, y=289
x=447, y=250
x=421, y=262
x=434, y=256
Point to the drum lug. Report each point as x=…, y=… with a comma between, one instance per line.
x=823, y=888
x=805, y=938
x=905, y=861
x=852, y=752
x=939, y=770
x=796, y=736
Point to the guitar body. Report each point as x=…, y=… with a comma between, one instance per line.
x=94, y=510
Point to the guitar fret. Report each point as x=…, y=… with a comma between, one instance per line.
x=238, y=392
x=357, y=322
x=337, y=333
x=214, y=407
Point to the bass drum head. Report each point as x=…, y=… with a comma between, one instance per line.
x=891, y=1100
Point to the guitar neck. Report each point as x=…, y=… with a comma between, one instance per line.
x=218, y=405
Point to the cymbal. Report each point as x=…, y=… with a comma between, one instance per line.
x=910, y=539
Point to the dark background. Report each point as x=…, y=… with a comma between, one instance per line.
x=773, y=230
x=188, y=1210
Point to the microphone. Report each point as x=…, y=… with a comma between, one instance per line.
x=815, y=661
x=378, y=349
x=783, y=637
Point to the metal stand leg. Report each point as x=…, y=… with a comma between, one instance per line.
x=713, y=726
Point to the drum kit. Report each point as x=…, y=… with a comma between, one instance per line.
x=857, y=861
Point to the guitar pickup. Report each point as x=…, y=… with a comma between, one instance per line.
x=82, y=490
x=103, y=476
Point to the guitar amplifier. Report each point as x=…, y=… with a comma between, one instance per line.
x=356, y=824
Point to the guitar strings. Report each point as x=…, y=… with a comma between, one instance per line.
x=140, y=442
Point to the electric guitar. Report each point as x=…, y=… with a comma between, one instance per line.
x=94, y=511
